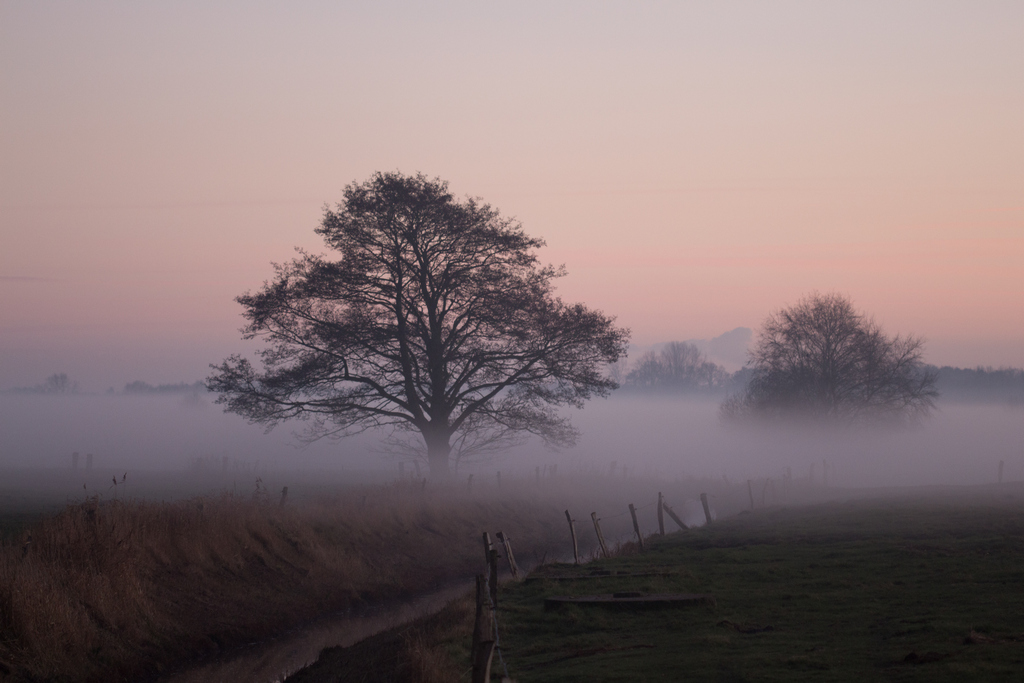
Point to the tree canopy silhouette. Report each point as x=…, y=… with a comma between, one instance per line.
x=822, y=358
x=434, y=320
x=679, y=367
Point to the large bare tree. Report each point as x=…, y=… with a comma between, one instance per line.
x=434, y=320
x=823, y=358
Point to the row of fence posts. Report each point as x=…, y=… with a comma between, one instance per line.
x=539, y=472
x=663, y=509
x=552, y=470
x=485, y=627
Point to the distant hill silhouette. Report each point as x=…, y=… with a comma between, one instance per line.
x=729, y=350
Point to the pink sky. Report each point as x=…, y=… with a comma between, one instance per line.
x=694, y=165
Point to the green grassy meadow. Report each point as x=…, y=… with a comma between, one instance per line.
x=866, y=591
x=929, y=588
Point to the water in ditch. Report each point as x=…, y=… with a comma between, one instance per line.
x=273, y=660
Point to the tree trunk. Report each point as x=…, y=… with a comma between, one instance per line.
x=438, y=451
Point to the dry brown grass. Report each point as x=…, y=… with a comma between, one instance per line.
x=113, y=590
x=116, y=590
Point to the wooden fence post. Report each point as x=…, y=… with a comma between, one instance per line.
x=750, y=492
x=673, y=515
x=512, y=566
x=572, y=530
x=661, y=515
x=707, y=510
x=600, y=536
x=284, y=496
x=488, y=546
x=636, y=526
x=482, y=650
x=482, y=662
x=493, y=566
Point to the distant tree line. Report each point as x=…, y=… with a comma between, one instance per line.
x=981, y=385
x=140, y=387
x=57, y=383
x=821, y=358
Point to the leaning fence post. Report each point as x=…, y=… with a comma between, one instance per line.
x=572, y=530
x=512, y=566
x=661, y=515
x=636, y=526
x=707, y=510
x=284, y=496
x=673, y=515
x=750, y=492
x=600, y=536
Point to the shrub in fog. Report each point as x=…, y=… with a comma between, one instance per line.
x=822, y=358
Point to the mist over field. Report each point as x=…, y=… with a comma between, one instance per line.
x=655, y=436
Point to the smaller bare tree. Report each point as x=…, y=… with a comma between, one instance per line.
x=822, y=358
x=59, y=383
x=679, y=366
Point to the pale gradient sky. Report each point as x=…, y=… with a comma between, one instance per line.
x=694, y=165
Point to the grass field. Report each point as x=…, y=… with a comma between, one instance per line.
x=924, y=589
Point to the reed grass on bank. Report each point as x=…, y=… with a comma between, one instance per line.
x=116, y=590
x=121, y=590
